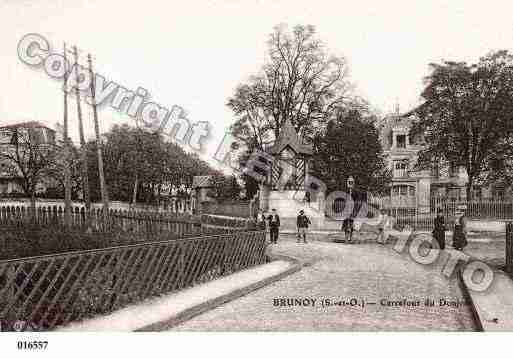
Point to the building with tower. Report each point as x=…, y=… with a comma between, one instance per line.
x=285, y=186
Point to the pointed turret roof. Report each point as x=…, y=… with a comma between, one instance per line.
x=289, y=137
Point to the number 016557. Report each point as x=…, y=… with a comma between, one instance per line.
x=32, y=345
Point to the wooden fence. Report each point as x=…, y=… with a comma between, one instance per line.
x=230, y=209
x=50, y=291
x=123, y=220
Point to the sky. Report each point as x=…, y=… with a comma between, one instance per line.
x=194, y=53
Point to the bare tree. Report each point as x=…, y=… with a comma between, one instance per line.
x=28, y=155
x=300, y=82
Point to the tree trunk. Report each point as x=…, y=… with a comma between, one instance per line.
x=33, y=207
x=469, y=187
x=159, y=188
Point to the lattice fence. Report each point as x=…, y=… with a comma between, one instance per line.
x=50, y=291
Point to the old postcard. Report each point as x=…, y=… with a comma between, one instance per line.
x=255, y=166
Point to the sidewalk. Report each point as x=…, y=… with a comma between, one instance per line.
x=494, y=307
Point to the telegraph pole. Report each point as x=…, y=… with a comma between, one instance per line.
x=103, y=186
x=67, y=162
x=85, y=177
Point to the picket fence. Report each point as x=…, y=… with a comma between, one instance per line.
x=407, y=212
x=123, y=220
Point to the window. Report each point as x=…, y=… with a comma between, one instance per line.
x=50, y=136
x=453, y=170
x=412, y=139
x=403, y=190
x=401, y=165
x=401, y=141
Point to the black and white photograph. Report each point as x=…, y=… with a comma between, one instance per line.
x=257, y=170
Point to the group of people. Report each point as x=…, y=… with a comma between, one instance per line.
x=273, y=220
x=459, y=238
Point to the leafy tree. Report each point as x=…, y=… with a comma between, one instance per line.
x=224, y=187
x=350, y=146
x=139, y=163
x=466, y=116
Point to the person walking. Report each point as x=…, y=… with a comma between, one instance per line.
x=302, y=226
x=382, y=225
x=439, y=229
x=459, y=238
x=354, y=199
x=348, y=228
x=274, y=226
x=260, y=220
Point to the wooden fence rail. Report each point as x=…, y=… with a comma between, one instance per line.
x=50, y=291
x=236, y=209
x=132, y=221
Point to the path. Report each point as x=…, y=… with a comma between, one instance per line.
x=365, y=271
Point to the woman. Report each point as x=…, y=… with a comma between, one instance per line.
x=439, y=230
x=459, y=239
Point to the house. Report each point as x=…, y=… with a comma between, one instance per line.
x=201, y=186
x=411, y=187
x=24, y=133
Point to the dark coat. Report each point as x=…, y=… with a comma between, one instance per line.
x=359, y=198
x=274, y=224
x=459, y=237
x=439, y=231
x=302, y=221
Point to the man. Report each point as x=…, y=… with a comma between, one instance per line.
x=382, y=225
x=348, y=223
x=439, y=229
x=302, y=226
x=274, y=226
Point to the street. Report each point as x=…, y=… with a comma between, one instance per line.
x=392, y=288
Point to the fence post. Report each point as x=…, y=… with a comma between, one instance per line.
x=509, y=247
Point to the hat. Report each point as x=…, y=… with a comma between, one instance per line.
x=301, y=211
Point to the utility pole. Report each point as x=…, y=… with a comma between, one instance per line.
x=85, y=177
x=67, y=162
x=103, y=186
